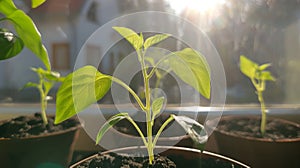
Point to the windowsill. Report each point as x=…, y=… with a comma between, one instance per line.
x=84, y=143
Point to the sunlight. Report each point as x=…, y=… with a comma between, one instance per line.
x=197, y=5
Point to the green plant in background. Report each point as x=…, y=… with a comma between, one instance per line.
x=258, y=76
x=47, y=79
x=86, y=85
x=29, y=36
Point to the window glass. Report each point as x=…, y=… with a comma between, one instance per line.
x=266, y=31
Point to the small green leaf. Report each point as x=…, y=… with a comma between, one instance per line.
x=109, y=123
x=49, y=75
x=11, y=45
x=30, y=84
x=134, y=39
x=266, y=75
x=79, y=90
x=36, y=3
x=248, y=67
x=193, y=128
x=188, y=60
x=157, y=106
x=264, y=66
x=154, y=40
x=48, y=86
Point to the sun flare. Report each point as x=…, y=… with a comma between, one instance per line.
x=197, y=5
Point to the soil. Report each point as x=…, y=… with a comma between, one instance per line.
x=126, y=127
x=250, y=127
x=28, y=126
x=112, y=160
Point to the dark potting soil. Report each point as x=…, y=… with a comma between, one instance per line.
x=126, y=127
x=113, y=160
x=26, y=126
x=250, y=127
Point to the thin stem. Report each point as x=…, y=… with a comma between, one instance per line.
x=138, y=100
x=260, y=87
x=263, y=113
x=43, y=100
x=138, y=130
x=171, y=118
x=159, y=62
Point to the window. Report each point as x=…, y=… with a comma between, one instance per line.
x=61, y=56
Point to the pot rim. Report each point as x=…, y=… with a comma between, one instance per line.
x=284, y=140
x=49, y=134
x=197, y=151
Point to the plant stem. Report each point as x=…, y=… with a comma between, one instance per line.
x=171, y=118
x=260, y=87
x=146, y=77
x=138, y=100
x=263, y=113
x=138, y=130
x=43, y=100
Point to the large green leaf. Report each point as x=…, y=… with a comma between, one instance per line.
x=154, y=40
x=79, y=90
x=36, y=3
x=26, y=30
x=109, y=123
x=132, y=37
x=11, y=45
x=248, y=67
x=188, y=61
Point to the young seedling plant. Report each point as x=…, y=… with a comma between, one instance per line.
x=29, y=36
x=86, y=85
x=258, y=76
x=47, y=79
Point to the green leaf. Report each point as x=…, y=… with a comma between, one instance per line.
x=266, y=75
x=36, y=3
x=109, y=123
x=195, y=130
x=132, y=37
x=154, y=40
x=48, y=86
x=11, y=45
x=188, y=61
x=157, y=106
x=264, y=66
x=248, y=67
x=30, y=84
x=31, y=37
x=79, y=90
x=49, y=75
x=26, y=30
x=7, y=7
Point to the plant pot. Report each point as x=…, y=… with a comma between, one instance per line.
x=259, y=152
x=48, y=150
x=181, y=156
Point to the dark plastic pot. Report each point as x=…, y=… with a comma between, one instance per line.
x=257, y=152
x=187, y=156
x=50, y=150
